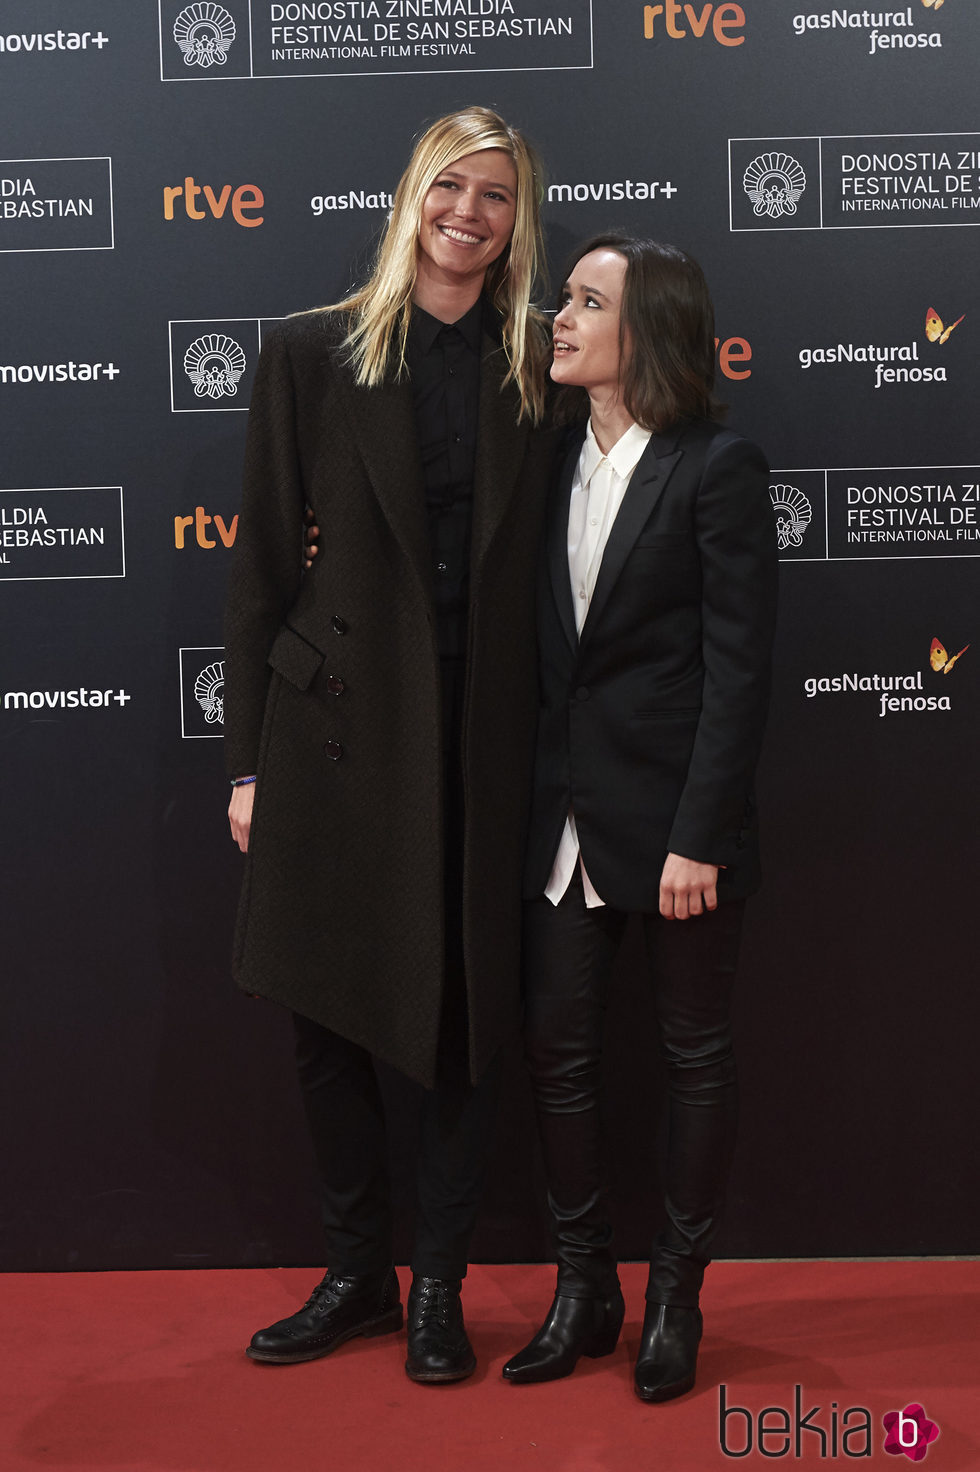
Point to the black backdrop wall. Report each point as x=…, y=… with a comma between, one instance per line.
x=175, y=177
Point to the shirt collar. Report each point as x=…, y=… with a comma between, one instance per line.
x=425, y=328
x=623, y=457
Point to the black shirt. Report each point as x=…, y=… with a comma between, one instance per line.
x=444, y=366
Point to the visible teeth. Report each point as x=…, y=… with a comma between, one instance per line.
x=459, y=235
x=564, y=347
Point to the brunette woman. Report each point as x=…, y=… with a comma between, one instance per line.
x=655, y=617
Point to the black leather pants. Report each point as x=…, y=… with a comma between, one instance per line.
x=569, y=951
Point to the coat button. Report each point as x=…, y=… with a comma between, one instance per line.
x=338, y=624
x=335, y=685
x=582, y=693
x=333, y=750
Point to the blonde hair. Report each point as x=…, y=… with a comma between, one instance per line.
x=380, y=311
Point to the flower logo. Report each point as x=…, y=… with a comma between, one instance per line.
x=909, y=1431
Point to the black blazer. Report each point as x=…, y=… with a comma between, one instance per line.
x=650, y=725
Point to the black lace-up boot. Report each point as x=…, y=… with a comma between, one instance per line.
x=438, y=1348
x=338, y=1309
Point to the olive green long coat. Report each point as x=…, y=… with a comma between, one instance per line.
x=332, y=695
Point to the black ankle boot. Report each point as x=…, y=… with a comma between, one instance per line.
x=338, y=1309
x=668, y=1356
x=574, y=1327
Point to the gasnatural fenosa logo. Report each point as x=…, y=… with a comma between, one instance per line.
x=883, y=30
x=883, y=357
x=897, y=694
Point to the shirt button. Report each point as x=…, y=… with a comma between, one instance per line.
x=594, y=521
x=333, y=750
x=338, y=624
x=457, y=439
x=581, y=592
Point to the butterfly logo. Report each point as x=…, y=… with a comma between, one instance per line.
x=933, y=4
x=936, y=331
x=940, y=660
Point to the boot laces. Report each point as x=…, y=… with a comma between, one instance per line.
x=435, y=1302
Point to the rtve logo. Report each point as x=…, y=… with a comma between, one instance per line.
x=244, y=200
x=199, y=523
x=734, y=357
x=670, y=17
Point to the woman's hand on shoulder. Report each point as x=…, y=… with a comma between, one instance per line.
x=240, y=814
x=687, y=888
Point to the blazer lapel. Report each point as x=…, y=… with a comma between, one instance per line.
x=557, y=539
x=500, y=447
x=645, y=488
x=383, y=421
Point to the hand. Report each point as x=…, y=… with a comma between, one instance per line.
x=687, y=888
x=310, y=537
x=240, y=814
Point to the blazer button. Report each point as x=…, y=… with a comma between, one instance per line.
x=333, y=750
x=335, y=685
x=582, y=693
x=338, y=624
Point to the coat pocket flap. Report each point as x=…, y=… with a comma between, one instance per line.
x=295, y=659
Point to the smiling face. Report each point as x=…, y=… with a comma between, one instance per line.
x=467, y=218
x=586, y=328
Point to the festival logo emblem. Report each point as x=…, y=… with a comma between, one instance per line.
x=774, y=183
x=940, y=660
x=936, y=331
x=214, y=364
x=204, y=31
x=933, y=4
x=209, y=692
x=202, y=692
x=793, y=515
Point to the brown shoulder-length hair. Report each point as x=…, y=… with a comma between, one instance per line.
x=666, y=336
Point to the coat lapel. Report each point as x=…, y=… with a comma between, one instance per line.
x=500, y=448
x=557, y=539
x=645, y=488
x=383, y=420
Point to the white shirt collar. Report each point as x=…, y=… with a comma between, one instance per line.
x=623, y=457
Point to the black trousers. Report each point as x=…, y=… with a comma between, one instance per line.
x=568, y=956
x=345, y=1110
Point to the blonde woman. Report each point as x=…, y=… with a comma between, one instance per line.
x=370, y=707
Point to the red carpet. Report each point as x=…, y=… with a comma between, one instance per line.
x=144, y=1372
